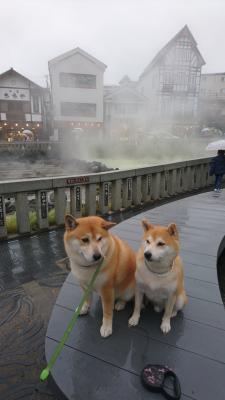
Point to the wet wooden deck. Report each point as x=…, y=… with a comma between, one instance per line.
x=97, y=369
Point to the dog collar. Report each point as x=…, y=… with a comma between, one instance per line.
x=160, y=273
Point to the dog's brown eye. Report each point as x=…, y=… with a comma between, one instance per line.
x=85, y=240
x=99, y=239
x=147, y=241
x=161, y=244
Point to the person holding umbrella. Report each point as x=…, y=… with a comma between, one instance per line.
x=217, y=168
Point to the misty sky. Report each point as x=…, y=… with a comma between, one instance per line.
x=124, y=34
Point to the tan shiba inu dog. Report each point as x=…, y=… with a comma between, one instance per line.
x=88, y=242
x=159, y=273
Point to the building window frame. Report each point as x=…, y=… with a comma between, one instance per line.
x=80, y=110
x=76, y=80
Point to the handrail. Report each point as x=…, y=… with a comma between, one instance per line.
x=88, y=194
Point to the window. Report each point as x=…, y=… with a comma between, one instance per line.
x=78, y=109
x=85, y=81
x=35, y=104
x=223, y=78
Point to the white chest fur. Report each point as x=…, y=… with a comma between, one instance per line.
x=156, y=288
x=84, y=275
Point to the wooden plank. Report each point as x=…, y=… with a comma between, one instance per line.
x=131, y=349
x=95, y=379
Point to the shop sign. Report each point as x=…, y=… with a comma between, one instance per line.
x=79, y=179
x=78, y=199
x=44, y=213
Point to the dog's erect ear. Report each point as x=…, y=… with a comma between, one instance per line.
x=107, y=224
x=172, y=229
x=70, y=222
x=146, y=224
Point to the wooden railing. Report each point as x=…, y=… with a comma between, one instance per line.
x=92, y=194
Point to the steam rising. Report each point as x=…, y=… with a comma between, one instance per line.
x=116, y=153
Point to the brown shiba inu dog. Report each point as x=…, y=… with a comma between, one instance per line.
x=159, y=273
x=88, y=243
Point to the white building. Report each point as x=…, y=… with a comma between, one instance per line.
x=77, y=92
x=172, y=80
x=124, y=110
x=212, y=100
x=213, y=86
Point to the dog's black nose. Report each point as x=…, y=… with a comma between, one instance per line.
x=96, y=256
x=148, y=255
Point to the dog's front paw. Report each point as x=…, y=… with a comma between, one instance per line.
x=165, y=326
x=133, y=321
x=105, y=331
x=85, y=308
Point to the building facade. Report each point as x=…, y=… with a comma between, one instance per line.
x=77, y=93
x=124, y=110
x=172, y=82
x=21, y=107
x=212, y=100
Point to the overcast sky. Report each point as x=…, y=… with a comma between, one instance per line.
x=123, y=34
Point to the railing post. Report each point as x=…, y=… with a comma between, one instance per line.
x=162, y=192
x=104, y=197
x=195, y=177
x=76, y=201
x=127, y=192
x=189, y=178
x=179, y=177
x=42, y=209
x=173, y=182
x=198, y=177
x=116, y=195
x=184, y=179
x=90, y=199
x=156, y=178
x=3, y=228
x=22, y=213
x=164, y=184
x=60, y=205
x=202, y=176
x=137, y=197
x=146, y=185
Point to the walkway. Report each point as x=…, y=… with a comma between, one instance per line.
x=97, y=369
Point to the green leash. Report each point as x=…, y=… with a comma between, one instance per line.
x=45, y=372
